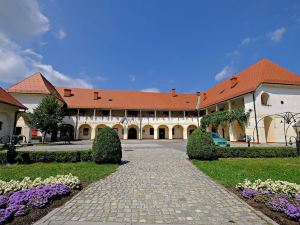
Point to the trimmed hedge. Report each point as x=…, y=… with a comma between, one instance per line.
x=201, y=146
x=49, y=156
x=107, y=146
x=256, y=152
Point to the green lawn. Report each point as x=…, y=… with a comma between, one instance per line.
x=86, y=171
x=231, y=171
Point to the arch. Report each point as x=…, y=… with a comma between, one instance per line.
x=190, y=129
x=66, y=130
x=23, y=127
x=119, y=130
x=133, y=132
x=85, y=132
x=223, y=130
x=269, y=131
x=177, y=132
x=99, y=127
x=238, y=132
x=265, y=98
x=148, y=132
x=163, y=132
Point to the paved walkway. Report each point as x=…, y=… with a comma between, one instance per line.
x=156, y=185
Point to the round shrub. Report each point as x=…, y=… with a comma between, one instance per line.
x=201, y=146
x=107, y=147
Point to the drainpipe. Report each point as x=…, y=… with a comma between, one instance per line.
x=257, y=136
x=197, y=109
x=76, y=125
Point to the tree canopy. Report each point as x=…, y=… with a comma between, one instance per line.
x=47, y=116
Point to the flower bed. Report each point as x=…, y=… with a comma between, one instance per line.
x=35, y=194
x=278, y=196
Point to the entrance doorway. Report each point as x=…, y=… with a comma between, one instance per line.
x=161, y=133
x=132, y=133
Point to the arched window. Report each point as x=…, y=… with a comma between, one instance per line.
x=265, y=98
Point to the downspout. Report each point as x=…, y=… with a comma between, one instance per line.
x=257, y=136
x=197, y=109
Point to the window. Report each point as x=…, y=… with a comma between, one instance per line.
x=151, y=131
x=265, y=98
x=282, y=102
x=86, y=131
x=1, y=123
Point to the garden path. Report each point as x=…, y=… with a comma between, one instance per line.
x=155, y=186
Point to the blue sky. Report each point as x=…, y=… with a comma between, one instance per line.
x=144, y=44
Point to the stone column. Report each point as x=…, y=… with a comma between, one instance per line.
x=185, y=134
x=93, y=132
x=170, y=132
x=231, y=131
x=125, y=135
x=155, y=133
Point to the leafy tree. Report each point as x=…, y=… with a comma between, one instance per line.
x=47, y=116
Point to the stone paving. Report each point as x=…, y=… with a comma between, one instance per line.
x=155, y=186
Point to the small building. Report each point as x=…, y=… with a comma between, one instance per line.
x=9, y=109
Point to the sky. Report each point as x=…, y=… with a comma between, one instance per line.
x=148, y=45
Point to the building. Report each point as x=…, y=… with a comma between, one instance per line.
x=263, y=89
x=9, y=108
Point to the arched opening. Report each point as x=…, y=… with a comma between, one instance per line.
x=223, y=130
x=163, y=132
x=85, y=132
x=191, y=129
x=133, y=132
x=99, y=127
x=118, y=128
x=239, y=133
x=23, y=128
x=66, y=132
x=269, y=130
x=265, y=97
x=177, y=132
x=148, y=132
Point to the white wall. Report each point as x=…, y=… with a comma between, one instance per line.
x=7, y=117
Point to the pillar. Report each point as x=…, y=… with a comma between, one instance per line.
x=155, y=133
x=185, y=134
x=93, y=132
x=170, y=132
x=231, y=131
x=125, y=135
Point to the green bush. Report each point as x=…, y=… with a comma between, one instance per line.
x=107, y=147
x=201, y=146
x=3, y=157
x=49, y=156
x=256, y=152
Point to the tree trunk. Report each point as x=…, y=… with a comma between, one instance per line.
x=43, y=137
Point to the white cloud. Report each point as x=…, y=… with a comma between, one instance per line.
x=151, y=90
x=235, y=53
x=277, y=35
x=60, y=34
x=226, y=72
x=131, y=78
x=101, y=78
x=22, y=19
x=59, y=78
x=246, y=41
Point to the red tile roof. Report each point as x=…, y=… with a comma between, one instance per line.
x=35, y=84
x=247, y=81
x=10, y=100
x=84, y=98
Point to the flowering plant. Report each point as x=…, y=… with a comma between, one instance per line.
x=14, y=185
x=278, y=186
x=18, y=203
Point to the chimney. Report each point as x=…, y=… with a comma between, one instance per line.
x=198, y=93
x=174, y=94
x=204, y=96
x=233, y=81
x=96, y=95
x=67, y=92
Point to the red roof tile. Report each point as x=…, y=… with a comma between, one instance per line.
x=248, y=80
x=84, y=98
x=35, y=84
x=10, y=100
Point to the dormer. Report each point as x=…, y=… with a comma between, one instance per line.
x=174, y=94
x=96, y=95
x=233, y=81
x=67, y=92
x=204, y=96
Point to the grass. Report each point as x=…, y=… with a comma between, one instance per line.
x=86, y=171
x=231, y=171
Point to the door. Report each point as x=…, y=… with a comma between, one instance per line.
x=132, y=133
x=162, y=133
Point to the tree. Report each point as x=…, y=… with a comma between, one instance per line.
x=47, y=116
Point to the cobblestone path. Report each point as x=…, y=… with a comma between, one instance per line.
x=155, y=186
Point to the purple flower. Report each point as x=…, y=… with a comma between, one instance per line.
x=292, y=211
x=18, y=210
x=3, y=201
x=249, y=193
x=39, y=200
x=297, y=197
x=278, y=204
x=5, y=215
